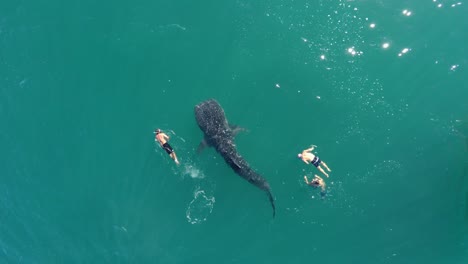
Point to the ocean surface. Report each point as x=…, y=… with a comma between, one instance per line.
x=379, y=86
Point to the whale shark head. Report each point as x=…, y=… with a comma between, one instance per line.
x=211, y=118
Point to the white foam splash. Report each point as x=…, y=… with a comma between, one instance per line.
x=403, y=51
x=193, y=172
x=406, y=12
x=454, y=67
x=353, y=51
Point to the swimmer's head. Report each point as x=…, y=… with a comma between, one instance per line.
x=157, y=131
x=299, y=156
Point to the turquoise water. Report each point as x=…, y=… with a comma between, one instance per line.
x=85, y=83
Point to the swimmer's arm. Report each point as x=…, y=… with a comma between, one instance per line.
x=166, y=137
x=306, y=162
x=310, y=149
x=305, y=179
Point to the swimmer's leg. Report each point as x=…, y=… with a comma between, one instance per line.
x=320, y=169
x=324, y=164
x=174, y=157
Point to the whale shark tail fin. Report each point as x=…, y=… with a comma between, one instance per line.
x=272, y=201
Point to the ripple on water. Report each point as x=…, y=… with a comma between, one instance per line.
x=200, y=207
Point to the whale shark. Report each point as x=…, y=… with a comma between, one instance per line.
x=220, y=135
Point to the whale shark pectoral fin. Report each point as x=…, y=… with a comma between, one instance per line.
x=203, y=144
x=236, y=129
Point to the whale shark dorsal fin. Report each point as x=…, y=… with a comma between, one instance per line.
x=203, y=144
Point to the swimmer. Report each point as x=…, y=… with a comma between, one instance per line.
x=310, y=158
x=162, y=138
x=316, y=182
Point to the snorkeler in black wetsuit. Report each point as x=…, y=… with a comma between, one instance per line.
x=162, y=139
